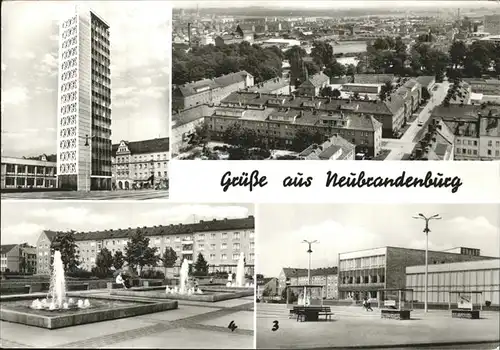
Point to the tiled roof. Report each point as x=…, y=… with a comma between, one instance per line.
x=177, y=229
x=188, y=115
x=317, y=80
x=190, y=89
x=5, y=248
x=298, y=272
x=146, y=146
x=328, y=148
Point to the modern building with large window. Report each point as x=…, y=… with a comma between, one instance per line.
x=220, y=242
x=137, y=162
x=474, y=276
x=84, y=103
x=365, y=272
x=26, y=173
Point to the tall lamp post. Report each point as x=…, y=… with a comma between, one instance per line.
x=426, y=231
x=310, y=243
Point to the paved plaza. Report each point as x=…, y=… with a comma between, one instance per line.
x=351, y=326
x=92, y=195
x=192, y=325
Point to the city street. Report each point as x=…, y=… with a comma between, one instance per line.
x=351, y=326
x=406, y=144
x=93, y=195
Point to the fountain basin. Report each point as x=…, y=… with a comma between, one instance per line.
x=17, y=309
x=208, y=296
x=224, y=289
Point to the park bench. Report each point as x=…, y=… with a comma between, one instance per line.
x=147, y=283
x=327, y=312
x=311, y=313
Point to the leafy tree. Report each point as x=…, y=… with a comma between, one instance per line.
x=103, y=262
x=138, y=253
x=326, y=91
x=168, y=258
x=236, y=134
x=23, y=265
x=458, y=53
x=266, y=292
x=385, y=90
x=201, y=265
x=201, y=135
x=351, y=69
x=355, y=95
x=336, y=93
x=118, y=260
x=304, y=138
x=322, y=53
x=65, y=243
x=335, y=69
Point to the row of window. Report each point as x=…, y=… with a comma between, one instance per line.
x=68, y=75
x=125, y=159
x=69, y=97
x=67, y=168
x=69, y=53
x=68, y=120
x=139, y=175
x=69, y=32
x=67, y=156
x=362, y=263
x=178, y=239
x=362, y=279
x=69, y=42
x=29, y=169
x=69, y=22
x=459, y=278
x=68, y=86
x=140, y=166
x=69, y=63
x=30, y=181
x=67, y=144
x=71, y=108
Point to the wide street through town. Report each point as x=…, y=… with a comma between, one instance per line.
x=405, y=145
x=92, y=195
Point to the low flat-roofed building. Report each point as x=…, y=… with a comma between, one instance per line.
x=278, y=86
x=475, y=276
x=362, y=88
x=364, y=272
x=24, y=173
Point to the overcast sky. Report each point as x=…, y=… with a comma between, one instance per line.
x=140, y=50
x=332, y=4
x=343, y=228
x=24, y=221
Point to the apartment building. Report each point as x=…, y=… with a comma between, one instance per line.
x=184, y=124
x=210, y=91
x=476, y=130
x=220, y=242
x=364, y=272
x=335, y=148
x=84, y=103
x=26, y=173
x=270, y=284
x=313, y=84
x=9, y=257
x=137, y=162
x=327, y=277
x=276, y=118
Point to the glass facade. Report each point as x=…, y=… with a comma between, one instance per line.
x=441, y=283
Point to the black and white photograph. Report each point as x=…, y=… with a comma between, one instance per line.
x=127, y=275
x=85, y=99
x=413, y=276
x=336, y=80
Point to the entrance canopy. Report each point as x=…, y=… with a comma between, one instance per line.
x=304, y=295
x=465, y=299
x=396, y=298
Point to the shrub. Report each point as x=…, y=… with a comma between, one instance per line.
x=487, y=303
x=79, y=273
x=152, y=274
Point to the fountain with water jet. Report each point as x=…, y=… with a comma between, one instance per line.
x=185, y=290
x=62, y=309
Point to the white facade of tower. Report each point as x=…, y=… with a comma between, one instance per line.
x=84, y=114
